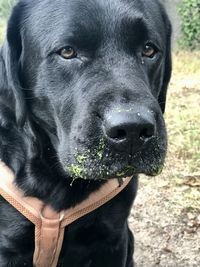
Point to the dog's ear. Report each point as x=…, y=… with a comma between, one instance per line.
x=11, y=52
x=168, y=64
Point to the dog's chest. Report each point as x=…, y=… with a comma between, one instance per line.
x=83, y=236
x=95, y=232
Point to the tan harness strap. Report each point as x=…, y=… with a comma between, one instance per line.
x=50, y=225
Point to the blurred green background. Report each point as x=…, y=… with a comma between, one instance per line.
x=5, y=9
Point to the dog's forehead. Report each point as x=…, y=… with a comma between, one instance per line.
x=54, y=21
x=65, y=10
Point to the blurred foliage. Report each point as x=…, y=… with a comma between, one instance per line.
x=189, y=11
x=5, y=7
x=2, y=30
x=183, y=113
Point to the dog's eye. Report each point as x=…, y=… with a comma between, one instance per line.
x=149, y=51
x=67, y=52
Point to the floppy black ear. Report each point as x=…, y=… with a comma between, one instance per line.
x=11, y=52
x=168, y=65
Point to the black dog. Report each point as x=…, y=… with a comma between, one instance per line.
x=82, y=91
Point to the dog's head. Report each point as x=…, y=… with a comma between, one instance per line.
x=95, y=75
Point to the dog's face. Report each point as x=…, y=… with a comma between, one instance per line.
x=96, y=74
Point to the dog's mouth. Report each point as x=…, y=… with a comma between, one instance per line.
x=99, y=172
x=102, y=164
x=106, y=172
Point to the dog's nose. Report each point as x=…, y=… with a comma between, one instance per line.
x=129, y=130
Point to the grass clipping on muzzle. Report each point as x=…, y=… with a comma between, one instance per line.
x=78, y=170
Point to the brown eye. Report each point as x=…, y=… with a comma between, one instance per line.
x=149, y=51
x=68, y=52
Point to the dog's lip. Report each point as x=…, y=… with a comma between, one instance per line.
x=125, y=171
x=119, y=175
x=118, y=168
x=150, y=173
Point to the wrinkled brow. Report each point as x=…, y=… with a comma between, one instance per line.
x=136, y=30
x=84, y=35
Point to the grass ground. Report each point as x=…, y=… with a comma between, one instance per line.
x=183, y=113
x=183, y=123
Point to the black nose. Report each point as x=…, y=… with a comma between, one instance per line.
x=129, y=130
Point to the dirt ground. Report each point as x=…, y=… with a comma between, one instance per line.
x=166, y=215
x=167, y=234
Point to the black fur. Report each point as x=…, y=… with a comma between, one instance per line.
x=52, y=110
